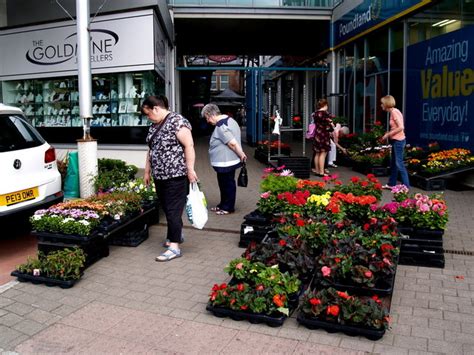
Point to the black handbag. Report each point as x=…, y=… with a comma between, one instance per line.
x=243, y=178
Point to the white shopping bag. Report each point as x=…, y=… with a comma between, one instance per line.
x=196, y=206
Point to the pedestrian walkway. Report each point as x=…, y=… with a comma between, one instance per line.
x=128, y=303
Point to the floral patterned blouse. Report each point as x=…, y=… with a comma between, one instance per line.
x=167, y=153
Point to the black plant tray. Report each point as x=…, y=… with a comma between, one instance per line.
x=132, y=238
x=271, y=321
x=256, y=218
x=60, y=237
x=427, y=183
x=422, y=259
x=351, y=330
x=382, y=288
x=421, y=233
x=300, y=166
x=43, y=280
x=257, y=235
x=422, y=245
x=371, y=169
x=131, y=223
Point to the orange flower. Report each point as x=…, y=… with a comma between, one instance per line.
x=279, y=300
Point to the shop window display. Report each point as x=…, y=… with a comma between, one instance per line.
x=116, y=99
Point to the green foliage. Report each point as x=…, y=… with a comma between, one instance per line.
x=276, y=184
x=65, y=264
x=113, y=172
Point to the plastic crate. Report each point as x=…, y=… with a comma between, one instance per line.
x=428, y=184
x=300, y=166
x=250, y=232
x=422, y=259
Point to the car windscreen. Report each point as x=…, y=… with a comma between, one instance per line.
x=16, y=133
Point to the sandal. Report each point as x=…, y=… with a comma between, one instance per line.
x=215, y=209
x=222, y=212
x=169, y=254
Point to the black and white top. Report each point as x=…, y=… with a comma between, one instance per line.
x=167, y=153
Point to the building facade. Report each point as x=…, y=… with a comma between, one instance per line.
x=417, y=51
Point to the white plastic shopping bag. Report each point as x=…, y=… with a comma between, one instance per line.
x=196, y=206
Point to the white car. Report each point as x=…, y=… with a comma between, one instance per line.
x=29, y=176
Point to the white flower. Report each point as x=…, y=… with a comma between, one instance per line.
x=37, y=217
x=68, y=219
x=286, y=172
x=117, y=217
x=84, y=222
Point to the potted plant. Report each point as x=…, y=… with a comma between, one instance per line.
x=58, y=268
x=339, y=311
x=256, y=292
x=291, y=254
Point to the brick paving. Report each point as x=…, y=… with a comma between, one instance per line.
x=128, y=303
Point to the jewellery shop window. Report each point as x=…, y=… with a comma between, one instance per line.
x=116, y=99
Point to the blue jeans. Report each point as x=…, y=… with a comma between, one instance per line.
x=228, y=189
x=397, y=165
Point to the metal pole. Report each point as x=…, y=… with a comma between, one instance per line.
x=84, y=65
x=87, y=147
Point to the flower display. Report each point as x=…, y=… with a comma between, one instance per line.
x=418, y=210
x=67, y=221
x=340, y=307
x=400, y=192
x=368, y=185
x=147, y=193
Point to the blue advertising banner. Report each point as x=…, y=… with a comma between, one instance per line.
x=369, y=14
x=440, y=84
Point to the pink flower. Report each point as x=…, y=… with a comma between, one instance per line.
x=268, y=170
x=265, y=195
x=386, y=261
x=424, y=207
x=326, y=271
x=239, y=266
x=368, y=274
x=326, y=178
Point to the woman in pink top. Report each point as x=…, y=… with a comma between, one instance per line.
x=396, y=136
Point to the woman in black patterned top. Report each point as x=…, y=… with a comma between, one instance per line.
x=170, y=161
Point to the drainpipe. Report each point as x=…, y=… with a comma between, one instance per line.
x=87, y=147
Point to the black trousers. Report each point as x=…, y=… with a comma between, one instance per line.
x=228, y=189
x=172, y=197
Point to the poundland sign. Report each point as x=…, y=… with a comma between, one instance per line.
x=369, y=15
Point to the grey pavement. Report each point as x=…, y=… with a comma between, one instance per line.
x=128, y=303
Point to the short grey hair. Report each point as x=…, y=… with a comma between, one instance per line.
x=210, y=110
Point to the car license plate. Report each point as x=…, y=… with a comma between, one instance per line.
x=18, y=196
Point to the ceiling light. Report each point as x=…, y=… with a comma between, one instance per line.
x=440, y=23
x=447, y=23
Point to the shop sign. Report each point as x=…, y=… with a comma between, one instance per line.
x=117, y=44
x=439, y=97
x=369, y=15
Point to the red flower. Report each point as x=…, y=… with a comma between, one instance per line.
x=364, y=183
x=223, y=286
x=240, y=287
x=337, y=260
x=215, y=287
x=366, y=226
x=368, y=274
x=244, y=307
x=282, y=242
x=370, y=176
x=315, y=301
x=260, y=287
x=376, y=299
x=343, y=295
x=232, y=301
x=300, y=222
x=354, y=179
x=333, y=310
x=213, y=296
